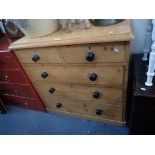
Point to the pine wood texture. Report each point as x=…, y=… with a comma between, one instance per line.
x=62, y=57
x=106, y=75
x=84, y=107
x=114, y=33
x=102, y=119
x=80, y=92
x=47, y=55
x=104, y=52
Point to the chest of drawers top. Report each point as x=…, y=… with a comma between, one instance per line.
x=113, y=33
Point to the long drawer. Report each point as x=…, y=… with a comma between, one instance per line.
x=86, y=53
x=104, y=75
x=17, y=90
x=12, y=76
x=91, y=93
x=92, y=109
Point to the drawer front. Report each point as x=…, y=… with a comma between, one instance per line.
x=17, y=90
x=94, y=53
x=105, y=75
x=86, y=108
x=91, y=93
x=39, y=55
x=27, y=103
x=12, y=76
x=5, y=54
x=8, y=62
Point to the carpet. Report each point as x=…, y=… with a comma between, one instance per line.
x=20, y=121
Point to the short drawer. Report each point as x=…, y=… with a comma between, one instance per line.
x=8, y=62
x=27, y=103
x=12, y=76
x=104, y=75
x=5, y=53
x=94, y=53
x=92, y=109
x=39, y=55
x=17, y=90
x=91, y=93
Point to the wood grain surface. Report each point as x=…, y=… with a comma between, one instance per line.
x=96, y=34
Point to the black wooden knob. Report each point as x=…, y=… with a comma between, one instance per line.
x=35, y=58
x=99, y=111
x=44, y=75
x=90, y=56
x=96, y=94
x=93, y=76
x=58, y=105
x=51, y=90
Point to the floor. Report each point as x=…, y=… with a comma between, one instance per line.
x=19, y=121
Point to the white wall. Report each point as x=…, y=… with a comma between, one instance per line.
x=139, y=27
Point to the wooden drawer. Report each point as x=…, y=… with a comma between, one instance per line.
x=85, y=108
x=8, y=62
x=17, y=90
x=23, y=102
x=12, y=76
x=39, y=55
x=106, y=75
x=91, y=93
x=104, y=52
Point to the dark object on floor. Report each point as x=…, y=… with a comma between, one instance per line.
x=3, y=108
x=142, y=115
x=20, y=121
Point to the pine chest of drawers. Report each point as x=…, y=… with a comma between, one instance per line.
x=83, y=73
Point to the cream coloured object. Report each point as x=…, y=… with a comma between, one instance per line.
x=151, y=68
x=34, y=28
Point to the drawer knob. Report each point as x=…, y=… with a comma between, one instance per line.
x=35, y=58
x=90, y=56
x=93, y=76
x=51, y=90
x=4, y=78
x=44, y=75
x=96, y=94
x=16, y=92
x=58, y=105
x=99, y=111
